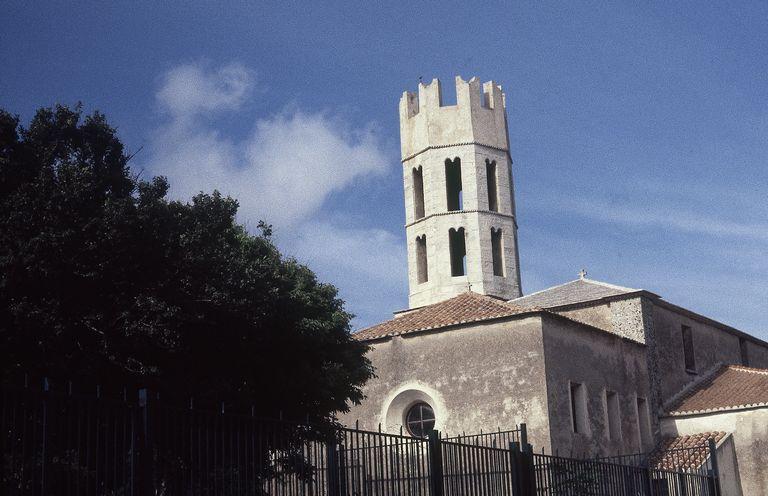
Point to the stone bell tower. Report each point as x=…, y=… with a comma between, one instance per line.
x=459, y=198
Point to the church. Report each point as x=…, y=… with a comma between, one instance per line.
x=592, y=368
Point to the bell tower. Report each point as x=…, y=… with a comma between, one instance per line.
x=459, y=197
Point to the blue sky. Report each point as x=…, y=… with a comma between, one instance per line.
x=639, y=130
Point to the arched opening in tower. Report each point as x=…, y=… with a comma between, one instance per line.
x=418, y=193
x=453, y=184
x=493, y=191
x=497, y=252
x=422, y=272
x=458, y=252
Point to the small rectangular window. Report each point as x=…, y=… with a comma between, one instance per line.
x=643, y=422
x=744, y=352
x=613, y=415
x=579, y=416
x=690, y=358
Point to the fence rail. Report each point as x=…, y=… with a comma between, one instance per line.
x=59, y=443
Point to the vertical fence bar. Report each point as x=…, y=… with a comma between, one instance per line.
x=145, y=451
x=332, y=467
x=435, y=464
x=715, y=466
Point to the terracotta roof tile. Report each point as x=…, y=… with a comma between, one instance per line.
x=727, y=388
x=684, y=452
x=464, y=308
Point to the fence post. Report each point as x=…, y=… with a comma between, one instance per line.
x=144, y=471
x=529, y=471
x=435, y=464
x=516, y=469
x=333, y=467
x=648, y=476
x=523, y=434
x=715, y=467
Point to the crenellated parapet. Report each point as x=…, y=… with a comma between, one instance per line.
x=478, y=117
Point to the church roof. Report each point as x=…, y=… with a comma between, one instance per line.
x=578, y=291
x=464, y=308
x=728, y=387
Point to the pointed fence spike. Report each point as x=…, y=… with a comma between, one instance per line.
x=69, y=388
x=401, y=430
x=357, y=424
x=253, y=410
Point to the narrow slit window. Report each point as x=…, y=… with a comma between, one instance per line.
x=688, y=353
x=613, y=414
x=744, y=352
x=418, y=193
x=493, y=190
x=458, y=251
x=579, y=416
x=422, y=271
x=497, y=252
x=643, y=421
x=453, y=184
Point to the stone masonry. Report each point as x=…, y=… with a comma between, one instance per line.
x=474, y=131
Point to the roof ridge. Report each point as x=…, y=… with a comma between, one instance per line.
x=543, y=290
x=750, y=370
x=609, y=285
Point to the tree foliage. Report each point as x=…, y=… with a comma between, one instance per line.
x=102, y=278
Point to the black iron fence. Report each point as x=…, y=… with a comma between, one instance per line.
x=61, y=443
x=492, y=439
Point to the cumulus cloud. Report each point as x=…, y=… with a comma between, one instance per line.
x=367, y=264
x=189, y=89
x=282, y=172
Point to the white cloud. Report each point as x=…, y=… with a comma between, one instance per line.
x=283, y=172
x=368, y=265
x=190, y=89
x=671, y=218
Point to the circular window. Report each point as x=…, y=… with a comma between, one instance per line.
x=420, y=419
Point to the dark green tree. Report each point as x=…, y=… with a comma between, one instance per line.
x=103, y=279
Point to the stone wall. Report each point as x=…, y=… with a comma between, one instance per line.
x=474, y=130
x=599, y=361
x=749, y=429
x=711, y=345
x=480, y=376
x=476, y=220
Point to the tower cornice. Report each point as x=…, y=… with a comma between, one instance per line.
x=459, y=212
x=464, y=143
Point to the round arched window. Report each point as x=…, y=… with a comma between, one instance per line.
x=420, y=419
